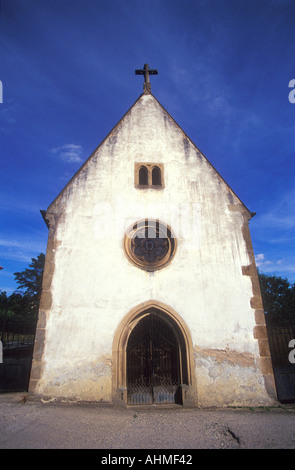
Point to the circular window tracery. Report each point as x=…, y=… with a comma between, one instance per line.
x=149, y=244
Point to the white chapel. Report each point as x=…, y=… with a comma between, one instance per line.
x=150, y=289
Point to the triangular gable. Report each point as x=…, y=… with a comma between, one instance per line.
x=116, y=127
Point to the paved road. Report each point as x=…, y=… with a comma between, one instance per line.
x=37, y=425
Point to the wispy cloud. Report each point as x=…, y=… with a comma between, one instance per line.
x=281, y=215
x=275, y=235
x=262, y=261
x=20, y=250
x=17, y=205
x=69, y=153
x=284, y=267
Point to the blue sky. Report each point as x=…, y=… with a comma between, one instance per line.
x=67, y=70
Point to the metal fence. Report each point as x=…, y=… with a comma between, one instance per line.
x=279, y=339
x=17, y=332
x=284, y=370
x=17, y=335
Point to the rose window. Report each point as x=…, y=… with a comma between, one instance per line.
x=149, y=244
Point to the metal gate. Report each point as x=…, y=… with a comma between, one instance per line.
x=284, y=371
x=153, y=363
x=17, y=341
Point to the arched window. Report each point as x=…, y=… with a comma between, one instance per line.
x=149, y=175
x=143, y=176
x=156, y=176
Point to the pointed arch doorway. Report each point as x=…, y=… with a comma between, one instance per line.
x=152, y=358
x=153, y=362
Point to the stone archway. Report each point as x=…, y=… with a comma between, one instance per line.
x=176, y=333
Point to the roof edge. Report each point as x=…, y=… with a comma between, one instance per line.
x=95, y=150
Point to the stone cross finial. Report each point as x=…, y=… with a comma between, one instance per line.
x=146, y=71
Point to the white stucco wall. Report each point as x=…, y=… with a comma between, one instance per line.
x=94, y=285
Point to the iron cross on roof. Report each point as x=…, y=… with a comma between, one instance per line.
x=146, y=71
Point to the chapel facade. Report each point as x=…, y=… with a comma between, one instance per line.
x=150, y=289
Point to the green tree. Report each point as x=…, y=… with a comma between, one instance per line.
x=30, y=285
x=12, y=305
x=278, y=297
x=30, y=280
x=4, y=303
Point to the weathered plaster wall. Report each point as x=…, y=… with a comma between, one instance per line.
x=89, y=284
